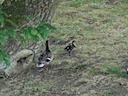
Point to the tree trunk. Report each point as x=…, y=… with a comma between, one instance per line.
x=33, y=8
x=17, y=10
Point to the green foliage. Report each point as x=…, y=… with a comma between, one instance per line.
x=3, y=15
x=30, y=33
x=4, y=35
x=3, y=56
x=38, y=33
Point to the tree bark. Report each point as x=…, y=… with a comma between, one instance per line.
x=17, y=10
x=43, y=9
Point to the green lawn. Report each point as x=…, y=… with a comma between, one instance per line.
x=97, y=65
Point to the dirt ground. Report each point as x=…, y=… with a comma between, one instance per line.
x=97, y=64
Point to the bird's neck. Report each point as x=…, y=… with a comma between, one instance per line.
x=47, y=46
x=73, y=44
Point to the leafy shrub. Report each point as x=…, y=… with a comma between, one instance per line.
x=8, y=30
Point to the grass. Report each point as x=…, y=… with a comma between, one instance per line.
x=114, y=69
x=76, y=3
x=96, y=65
x=107, y=93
